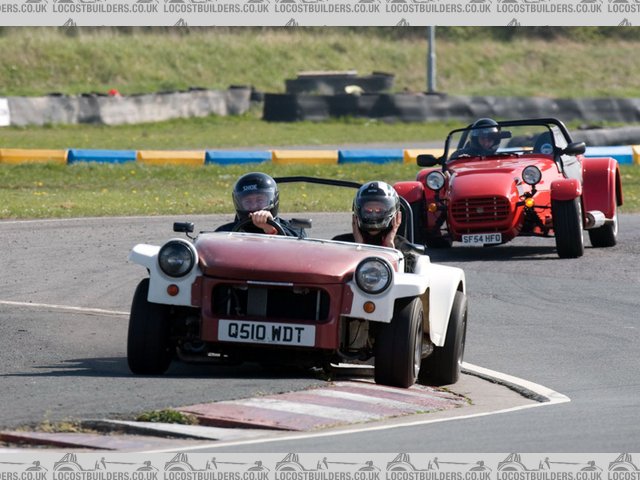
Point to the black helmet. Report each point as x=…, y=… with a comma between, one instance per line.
x=255, y=191
x=375, y=205
x=485, y=128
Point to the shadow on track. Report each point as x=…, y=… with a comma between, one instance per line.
x=116, y=367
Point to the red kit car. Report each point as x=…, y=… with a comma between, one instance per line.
x=531, y=180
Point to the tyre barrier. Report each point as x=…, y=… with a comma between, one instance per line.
x=623, y=154
x=333, y=83
x=423, y=107
x=118, y=110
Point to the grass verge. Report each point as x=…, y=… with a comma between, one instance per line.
x=90, y=190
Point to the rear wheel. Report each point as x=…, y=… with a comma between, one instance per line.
x=398, y=347
x=567, y=226
x=443, y=366
x=148, y=346
x=606, y=235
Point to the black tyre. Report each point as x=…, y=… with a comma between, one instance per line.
x=398, y=347
x=606, y=235
x=148, y=347
x=567, y=225
x=438, y=242
x=418, y=213
x=443, y=366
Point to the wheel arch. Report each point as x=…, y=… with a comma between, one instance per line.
x=602, y=186
x=446, y=281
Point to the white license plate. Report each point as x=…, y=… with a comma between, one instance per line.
x=271, y=333
x=482, y=239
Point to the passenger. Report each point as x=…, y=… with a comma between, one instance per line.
x=484, y=139
x=376, y=217
x=256, y=197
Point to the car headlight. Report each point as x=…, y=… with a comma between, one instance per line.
x=176, y=258
x=531, y=175
x=373, y=275
x=435, y=181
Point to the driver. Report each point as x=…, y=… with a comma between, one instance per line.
x=484, y=139
x=256, y=197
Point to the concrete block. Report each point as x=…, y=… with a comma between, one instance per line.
x=23, y=155
x=227, y=157
x=101, y=156
x=305, y=157
x=636, y=154
x=170, y=157
x=623, y=154
x=370, y=156
x=411, y=154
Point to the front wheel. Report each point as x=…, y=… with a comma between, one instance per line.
x=148, y=347
x=567, y=226
x=606, y=235
x=398, y=347
x=443, y=366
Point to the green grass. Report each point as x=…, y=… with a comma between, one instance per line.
x=470, y=61
x=58, y=191
x=220, y=132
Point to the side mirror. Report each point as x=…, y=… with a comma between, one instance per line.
x=575, y=148
x=427, y=160
x=183, y=227
x=300, y=222
x=505, y=134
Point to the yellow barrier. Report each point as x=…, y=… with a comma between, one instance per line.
x=304, y=157
x=411, y=154
x=636, y=154
x=170, y=157
x=24, y=155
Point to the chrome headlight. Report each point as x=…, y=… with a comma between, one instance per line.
x=435, y=181
x=373, y=275
x=531, y=175
x=176, y=258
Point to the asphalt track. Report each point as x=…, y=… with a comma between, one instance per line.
x=567, y=324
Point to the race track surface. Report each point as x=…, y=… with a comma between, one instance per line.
x=570, y=325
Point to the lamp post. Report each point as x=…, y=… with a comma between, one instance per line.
x=431, y=60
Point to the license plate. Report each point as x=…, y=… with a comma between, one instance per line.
x=482, y=239
x=270, y=333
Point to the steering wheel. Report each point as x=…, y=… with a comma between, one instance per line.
x=242, y=226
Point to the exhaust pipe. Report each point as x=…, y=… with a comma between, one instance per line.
x=594, y=219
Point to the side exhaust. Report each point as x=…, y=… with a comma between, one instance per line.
x=595, y=219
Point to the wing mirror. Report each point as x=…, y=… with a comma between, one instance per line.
x=428, y=160
x=183, y=227
x=575, y=148
x=300, y=222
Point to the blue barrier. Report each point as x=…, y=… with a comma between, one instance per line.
x=621, y=154
x=371, y=156
x=226, y=157
x=101, y=156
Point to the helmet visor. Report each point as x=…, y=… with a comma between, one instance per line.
x=376, y=214
x=254, y=200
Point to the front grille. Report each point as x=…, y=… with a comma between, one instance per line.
x=480, y=210
x=275, y=302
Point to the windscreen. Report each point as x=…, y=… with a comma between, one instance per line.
x=500, y=140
